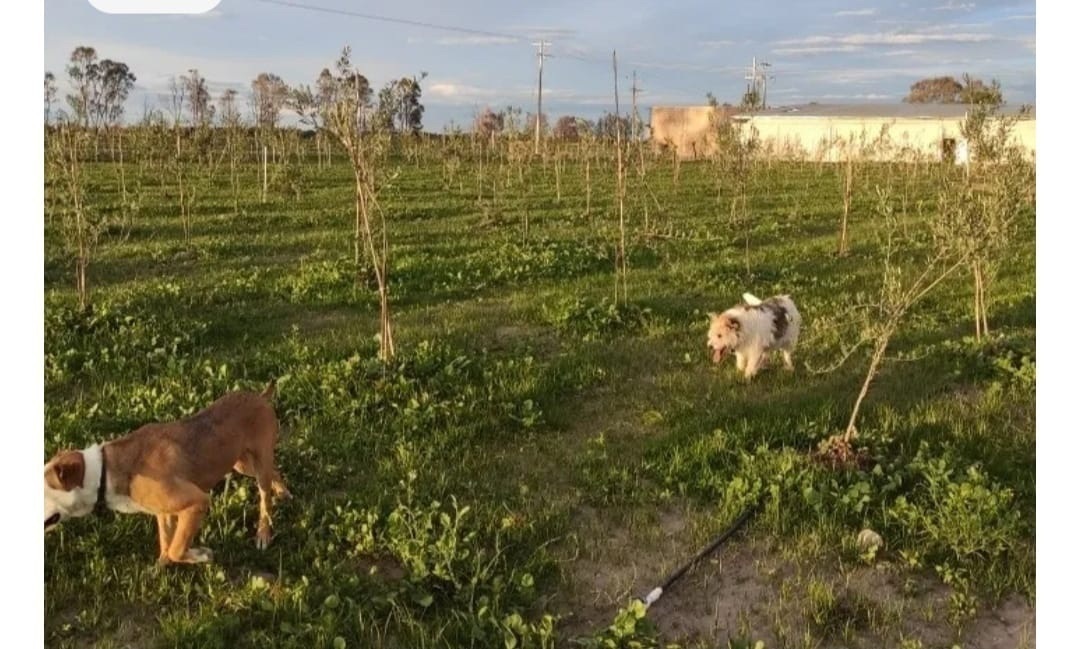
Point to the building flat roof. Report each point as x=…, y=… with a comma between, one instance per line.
x=911, y=111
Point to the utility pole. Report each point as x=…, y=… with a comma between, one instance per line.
x=634, y=90
x=765, y=85
x=752, y=77
x=539, y=90
x=758, y=80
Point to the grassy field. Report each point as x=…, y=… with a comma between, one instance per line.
x=535, y=456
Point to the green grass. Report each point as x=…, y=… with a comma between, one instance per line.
x=439, y=498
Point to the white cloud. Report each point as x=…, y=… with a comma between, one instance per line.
x=870, y=96
x=889, y=38
x=717, y=43
x=944, y=28
x=952, y=5
x=818, y=49
x=154, y=66
x=454, y=93
x=457, y=92
x=899, y=53
x=477, y=40
x=856, y=12
x=533, y=31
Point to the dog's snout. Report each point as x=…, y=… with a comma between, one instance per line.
x=52, y=520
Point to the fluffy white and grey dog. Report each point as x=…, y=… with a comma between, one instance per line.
x=753, y=329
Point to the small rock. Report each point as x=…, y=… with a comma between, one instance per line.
x=868, y=540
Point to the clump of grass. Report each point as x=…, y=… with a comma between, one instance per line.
x=592, y=320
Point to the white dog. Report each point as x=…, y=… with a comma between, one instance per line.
x=752, y=329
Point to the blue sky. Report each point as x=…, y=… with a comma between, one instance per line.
x=836, y=52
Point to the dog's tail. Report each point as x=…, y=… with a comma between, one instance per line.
x=271, y=388
x=750, y=299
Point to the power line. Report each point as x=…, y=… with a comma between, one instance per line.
x=485, y=32
x=388, y=19
x=541, y=55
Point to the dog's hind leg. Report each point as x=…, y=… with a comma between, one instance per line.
x=788, y=363
x=263, y=533
x=269, y=482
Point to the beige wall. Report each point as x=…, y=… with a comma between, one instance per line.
x=689, y=130
x=828, y=138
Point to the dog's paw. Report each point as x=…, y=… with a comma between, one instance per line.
x=262, y=537
x=281, y=492
x=198, y=555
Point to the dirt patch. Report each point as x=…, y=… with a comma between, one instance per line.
x=1011, y=625
x=622, y=556
x=539, y=340
x=751, y=589
x=387, y=568
x=135, y=630
x=726, y=596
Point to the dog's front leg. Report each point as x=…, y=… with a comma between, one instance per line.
x=183, y=506
x=753, y=363
x=187, y=525
x=166, y=529
x=740, y=361
x=788, y=363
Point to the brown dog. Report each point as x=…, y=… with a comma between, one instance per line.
x=168, y=469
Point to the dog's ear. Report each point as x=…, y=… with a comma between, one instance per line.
x=734, y=324
x=713, y=316
x=66, y=471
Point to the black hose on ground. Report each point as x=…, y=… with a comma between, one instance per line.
x=657, y=592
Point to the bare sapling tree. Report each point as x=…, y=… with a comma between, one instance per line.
x=80, y=225
x=177, y=100
x=983, y=205
x=855, y=151
x=847, y=192
x=343, y=118
x=306, y=104
x=50, y=96
x=734, y=164
x=588, y=144
x=231, y=122
x=323, y=95
x=198, y=99
x=903, y=284
x=621, y=266
x=558, y=174
x=268, y=96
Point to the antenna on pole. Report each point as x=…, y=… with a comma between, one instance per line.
x=540, y=55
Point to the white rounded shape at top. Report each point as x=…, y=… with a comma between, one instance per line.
x=154, y=6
